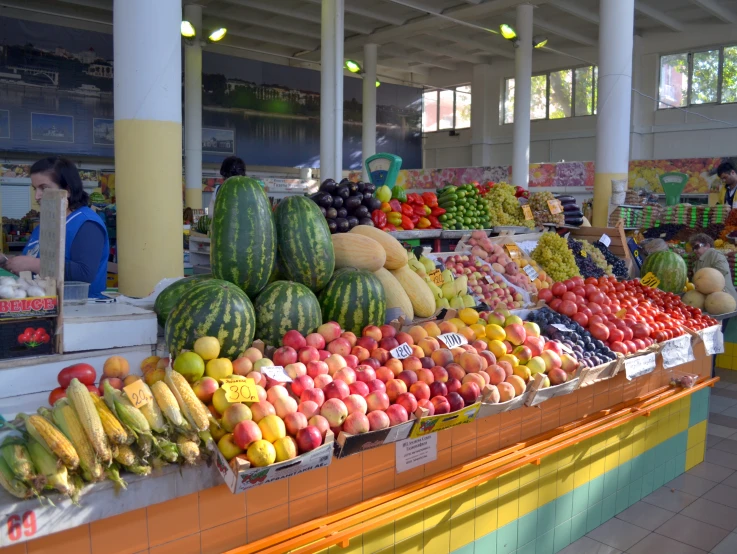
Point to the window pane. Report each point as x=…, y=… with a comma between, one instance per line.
x=674, y=80
x=538, y=99
x=446, y=110
x=729, y=75
x=430, y=111
x=509, y=101
x=463, y=107
x=705, y=77
x=561, y=90
x=584, y=91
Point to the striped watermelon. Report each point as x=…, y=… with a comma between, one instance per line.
x=283, y=306
x=168, y=297
x=354, y=298
x=243, y=236
x=669, y=267
x=213, y=308
x=305, y=247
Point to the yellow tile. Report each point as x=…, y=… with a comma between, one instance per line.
x=409, y=526
x=437, y=539
x=378, y=539
x=486, y=519
x=625, y=451
x=547, y=489
x=581, y=475
x=729, y=348
x=697, y=434
x=548, y=464
x=487, y=492
x=612, y=460
x=566, y=457
x=565, y=480
x=413, y=545
x=528, y=474
x=597, y=465
x=462, y=530
x=508, y=482
x=528, y=499
x=598, y=443
x=436, y=514
x=462, y=503
x=694, y=455
x=508, y=509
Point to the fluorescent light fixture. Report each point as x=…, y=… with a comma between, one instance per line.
x=187, y=29
x=378, y=83
x=507, y=31
x=217, y=34
x=352, y=66
x=539, y=41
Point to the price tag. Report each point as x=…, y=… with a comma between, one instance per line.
x=562, y=327
x=489, y=279
x=677, y=351
x=713, y=340
x=605, y=240
x=650, y=280
x=21, y=526
x=555, y=207
x=436, y=277
x=640, y=365
x=531, y=273
x=513, y=250
x=416, y=452
x=137, y=394
x=277, y=373
x=528, y=212
x=402, y=351
x=584, y=254
x=565, y=348
x=451, y=340
x=621, y=313
x=241, y=391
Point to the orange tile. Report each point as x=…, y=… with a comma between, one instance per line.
x=616, y=395
x=550, y=420
x=307, y=508
x=568, y=400
x=486, y=444
x=462, y=453
x=530, y=429
x=568, y=414
x=308, y=483
x=173, y=519
x=585, y=407
x=488, y=425
x=512, y=417
x=224, y=537
x=344, y=470
x=218, y=506
x=585, y=392
x=378, y=459
x=378, y=483
x=409, y=476
x=267, y=523
x=72, y=541
x=122, y=534
x=629, y=391
x=445, y=439
x=265, y=497
x=15, y=549
x=509, y=435
x=463, y=433
x=345, y=495
x=601, y=402
x=186, y=545
x=530, y=413
x=552, y=404
x=441, y=464
x=601, y=387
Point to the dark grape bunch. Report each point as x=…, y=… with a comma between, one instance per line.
x=586, y=265
x=589, y=351
x=619, y=268
x=666, y=231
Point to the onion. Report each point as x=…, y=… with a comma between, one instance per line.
x=7, y=291
x=19, y=293
x=7, y=281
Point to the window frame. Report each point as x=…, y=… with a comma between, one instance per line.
x=437, y=107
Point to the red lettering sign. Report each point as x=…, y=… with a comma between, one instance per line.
x=19, y=527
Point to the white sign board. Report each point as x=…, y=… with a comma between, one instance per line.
x=562, y=327
x=531, y=273
x=605, y=240
x=713, y=340
x=413, y=453
x=677, y=351
x=277, y=373
x=639, y=366
x=451, y=340
x=402, y=351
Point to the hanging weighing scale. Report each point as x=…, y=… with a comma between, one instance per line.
x=383, y=169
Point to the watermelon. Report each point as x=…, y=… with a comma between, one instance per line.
x=305, y=246
x=213, y=308
x=242, y=235
x=168, y=297
x=283, y=306
x=669, y=268
x=354, y=298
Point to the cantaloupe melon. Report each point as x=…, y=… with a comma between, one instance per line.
x=720, y=303
x=708, y=280
x=694, y=298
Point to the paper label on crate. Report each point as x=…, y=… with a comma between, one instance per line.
x=562, y=327
x=605, y=240
x=531, y=273
x=677, y=351
x=650, y=280
x=555, y=207
x=20, y=527
x=137, y=394
x=513, y=250
x=713, y=340
x=413, y=453
x=402, y=351
x=528, y=212
x=640, y=365
x=451, y=340
x=240, y=391
x=277, y=373
x=436, y=276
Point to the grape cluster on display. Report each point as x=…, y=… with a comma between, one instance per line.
x=586, y=264
x=553, y=254
x=619, y=268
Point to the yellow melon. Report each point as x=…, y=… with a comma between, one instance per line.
x=708, y=280
x=720, y=303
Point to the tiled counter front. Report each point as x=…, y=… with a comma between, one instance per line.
x=537, y=509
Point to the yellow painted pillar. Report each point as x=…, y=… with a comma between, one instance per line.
x=148, y=142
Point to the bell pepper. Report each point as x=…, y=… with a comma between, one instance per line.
x=383, y=193
x=399, y=193
x=430, y=198
x=437, y=211
x=434, y=222
x=385, y=207
x=389, y=228
x=428, y=210
x=407, y=210
x=419, y=210
x=423, y=223
x=395, y=218
x=396, y=205
x=407, y=223
x=379, y=218
x=415, y=198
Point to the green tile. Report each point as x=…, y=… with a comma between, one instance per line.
x=527, y=528
x=563, y=508
x=680, y=462
x=623, y=479
x=580, y=499
x=610, y=482
x=546, y=519
x=649, y=461
x=658, y=476
x=635, y=491
x=694, y=415
x=544, y=543
x=670, y=470
x=637, y=466
x=596, y=490
x=593, y=517
x=468, y=549
x=486, y=544
x=506, y=538
x=647, y=484
x=578, y=526
x=608, y=507
x=562, y=536
x=623, y=499
x=529, y=548
x=680, y=443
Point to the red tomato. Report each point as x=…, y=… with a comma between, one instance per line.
x=591, y=281
x=581, y=318
x=595, y=318
x=628, y=335
x=84, y=372
x=578, y=281
x=620, y=347
x=545, y=294
x=555, y=304
x=579, y=291
x=569, y=295
x=599, y=331
x=56, y=394
x=584, y=310
x=594, y=307
x=616, y=335
x=558, y=289
x=597, y=297
x=569, y=284
x=640, y=344
x=568, y=308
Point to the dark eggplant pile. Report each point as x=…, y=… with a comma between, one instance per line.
x=571, y=211
x=346, y=204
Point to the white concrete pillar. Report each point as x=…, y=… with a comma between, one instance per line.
x=148, y=142
x=193, y=110
x=483, y=101
x=522, y=92
x=615, y=101
x=368, y=138
x=331, y=91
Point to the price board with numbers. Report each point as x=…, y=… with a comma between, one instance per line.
x=650, y=280
x=137, y=393
x=513, y=250
x=241, y=391
x=277, y=373
x=402, y=351
x=555, y=207
x=451, y=340
x=436, y=276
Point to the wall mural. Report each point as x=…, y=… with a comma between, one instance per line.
x=56, y=96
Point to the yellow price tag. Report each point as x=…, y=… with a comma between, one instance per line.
x=621, y=313
x=436, y=277
x=584, y=254
x=650, y=280
x=555, y=207
x=137, y=394
x=528, y=212
x=241, y=391
x=513, y=250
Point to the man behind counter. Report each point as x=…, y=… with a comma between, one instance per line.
x=728, y=175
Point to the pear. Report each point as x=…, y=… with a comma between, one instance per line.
x=468, y=301
x=457, y=303
x=461, y=284
x=442, y=303
x=447, y=276
x=427, y=263
x=449, y=290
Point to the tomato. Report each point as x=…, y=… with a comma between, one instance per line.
x=631, y=346
x=569, y=284
x=584, y=310
x=620, y=347
x=640, y=344
x=616, y=335
x=595, y=319
x=56, y=394
x=581, y=318
x=597, y=297
x=579, y=291
x=558, y=289
x=569, y=295
x=598, y=331
x=568, y=308
x=578, y=281
x=84, y=372
x=555, y=304
x=545, y=295
x=641, y=330
x=94, y=390
x=591, y=281
x=594, y=307
x=628, y=335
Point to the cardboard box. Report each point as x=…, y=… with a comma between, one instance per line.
x=347, y=445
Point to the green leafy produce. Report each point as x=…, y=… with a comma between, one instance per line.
x=465, y=208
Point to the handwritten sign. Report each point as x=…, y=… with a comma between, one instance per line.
x=513, y=250
x=713, y=340
x=436, y=277
x=562, y=327
x=555, y=207
x=413, y=453
x=531, y=273
x=677, y=351
x=640, y=365
x=241, y=391
x=277, y=373
x=451, y=340
x=650, y=280
x=528, y=212
x=402, y=351
x=605, y=240
x=137, y=394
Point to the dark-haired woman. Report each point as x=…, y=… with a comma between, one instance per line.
x=232, y=166
x=87, y=247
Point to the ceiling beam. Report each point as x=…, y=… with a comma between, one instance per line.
x=249, y=32
x=427, y=44
x=374, y=14
x=564, y=32
x=720, y=12
x=578, y=11
x=480, y=43
x=661, y=17
x=99, y=4
x=395, y=49
x=275, y=23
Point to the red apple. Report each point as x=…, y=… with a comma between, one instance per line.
x=316, y=340
x=376, y=385
x=308, y=354
x=389, y=343
x=365, y=373
x=378, y=420
x=346, y=374
x=440, y=374
x=404, y=338
x=301, y=384
x=294, y=340
x=554, y=346
x=425, y=375
x=317, y=368
x=309, y=438
x=321, y=381
x=394, y=388
x=387, y=331
x=315, y=395
x=285, y=355
x=356, y=423
x=350, y=337
x=384, y=374
x=408, y=401
x=380, y=355
x=359, y=388
x=308, y=408
x=330, y=330
x=397, y=414
x=372, y=362
x=340, y=346
x=245, y=433
x=336, y=389
x=368, y=343
x=335, y=411
x=377, y=400
x=324, y=355
x=372, y=331
x=294, y=422
x=361, y=353
x=321, y=423
x=355, y=403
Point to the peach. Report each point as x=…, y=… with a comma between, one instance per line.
x=442, y=357
x=409, y=377
x=557, y=376
x=405, y=338
x=568, y=363
x=417, y=333
x=374, y=332
x=492, y=395
x=242, y=366
x=346, y=375
x=117, y=367
x=395, y=365
x=411, y=363
x=361, y=353
x=516, y=333
x=385, y=374
x=536, y=365
x=408, y=401
x=368, y=343
x=335, y=363
x=427, y=362
x=371, y=362
x=417, y=351
x=472, y=363
x=551, y=359
x=453, y=385
x=340, y=346
x=397, y=414
x=440, y=405
x=425, y=375
x=522, y=353
x=381, y=355
x=355, y=403
x=253, y=354
x=388, y=332
x=429, y=345
x=149, y=364
x=431, y=328
x=506, y=366
x=510, y=359
x=308, y=408
x=468, y=333
x=518, y=383
x=447, y=327
x=130, y=380
x=388, y=343
x=455, y=371
x=506, y=391
x=350, y=337
x=440, y=374
x=420, y=390
x=479, y=346
x=470, y=392
x=426, y=404
x=484, y=376
x=438, y=389
x=497, y=374
x=394, y=388
x=474, y=378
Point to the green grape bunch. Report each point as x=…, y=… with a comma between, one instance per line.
x=553, y=254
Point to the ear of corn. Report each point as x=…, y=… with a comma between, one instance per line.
x=113, y=428
x=18, y=459
x=48, y=465
x=125, y=455
x=192, y=407
x=189, y=449
x=168, y=404
x=83, y=405
x=9, y=482
x=66, y=418
x=113, y=473
x=51, y=439
x=131, y=416
x=152, y=412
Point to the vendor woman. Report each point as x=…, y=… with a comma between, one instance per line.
x=707, y=256
x=87, y=247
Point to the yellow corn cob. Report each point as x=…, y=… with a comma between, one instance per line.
x=113, y=428
x=83, y=405
x=192, y=407
x=189, y=449
x=125, y=455
x=48, y=465
x=152, y=412
x=8, y=481
x=18, y=459
x=51, y=439
x=167, y=403
x=66, y=418
x=131, y=416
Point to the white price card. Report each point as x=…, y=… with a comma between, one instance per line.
x=413, y=453
x=531, y=273
x=639, y=366
x=677, y=351
x=562, y=327
x=451, y=340
x=713, y=340
x=605, y=240
x=277, y=373
x=402, y=351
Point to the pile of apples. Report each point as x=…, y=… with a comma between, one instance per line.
x=501, y=262
x=485, y=283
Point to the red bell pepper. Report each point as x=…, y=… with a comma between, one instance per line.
x=407, y=210
x=379, y=218
x=435, y=222
x=415, y=198
x=407, y=223
x=388, y=228
x=437, y=211
x=396, y=205
x=419, y=210
x=430, y=198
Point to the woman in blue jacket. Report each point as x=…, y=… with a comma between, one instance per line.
x=87, y=247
